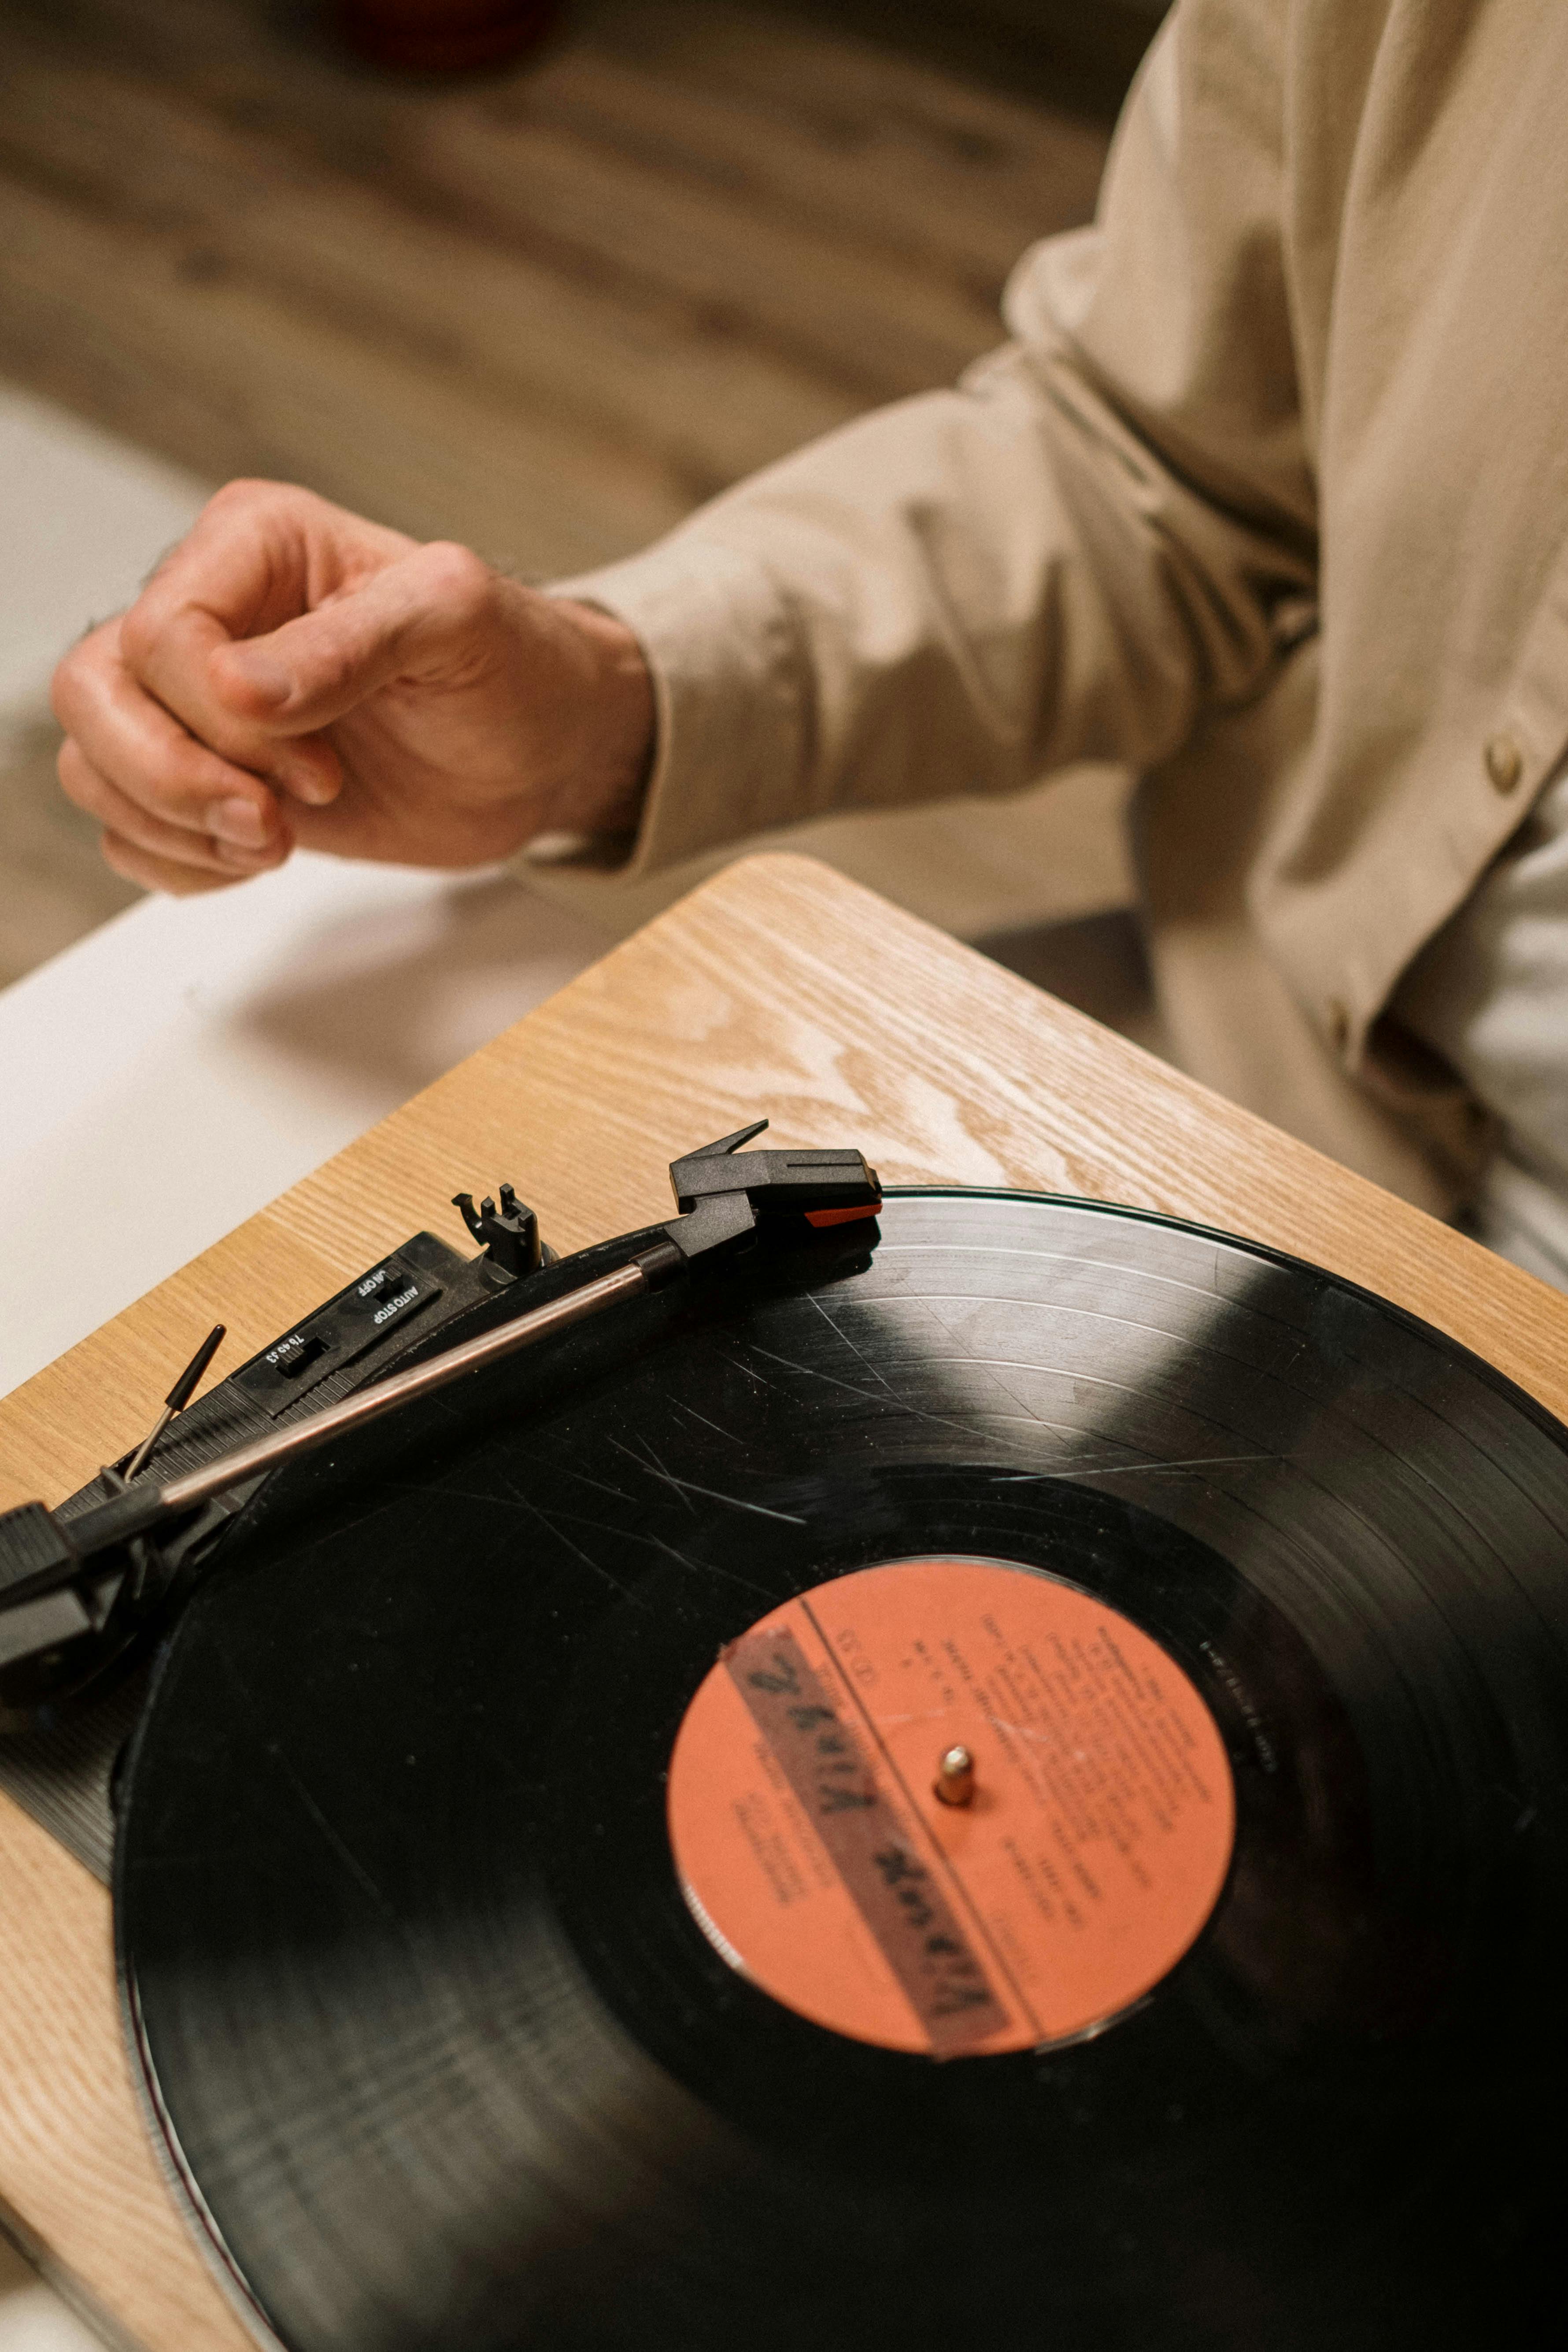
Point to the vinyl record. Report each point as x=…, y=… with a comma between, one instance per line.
x=539, y=1926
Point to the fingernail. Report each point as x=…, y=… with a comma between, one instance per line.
x=239, y=821
x=310, y=785
x=249, y=861
x=268, y=680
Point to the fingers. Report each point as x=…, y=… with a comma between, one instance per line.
x=261, y=552
x=160, y=874
x=133, y=766
x=431, y=616
x=134, y=832
x=458, y=702
x=181, y=673
x=261, y=555
x=179, y=773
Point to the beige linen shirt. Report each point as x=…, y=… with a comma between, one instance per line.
x=1267, y=498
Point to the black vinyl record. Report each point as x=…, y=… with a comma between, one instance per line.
x=444, y=2057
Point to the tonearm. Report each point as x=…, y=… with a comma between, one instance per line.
x=88, y=1583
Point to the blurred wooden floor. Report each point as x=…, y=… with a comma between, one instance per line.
x=545, y=312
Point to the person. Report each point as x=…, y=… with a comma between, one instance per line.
x=1267, y=498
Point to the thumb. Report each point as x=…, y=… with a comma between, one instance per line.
x=426, y=613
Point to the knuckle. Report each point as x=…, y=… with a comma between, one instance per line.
x=139, y=631
x=244, y=492
x=457, y=580
x=79, y=780
x=78, y=674
x=259, y=503
x=84, y=784
x=188, y=775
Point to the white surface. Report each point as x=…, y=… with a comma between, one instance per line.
x=83, y=519
x=176, y=1071
x=32, y=2318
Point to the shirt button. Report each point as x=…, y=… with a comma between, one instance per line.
x=1505, y=762
x=1339, y=1022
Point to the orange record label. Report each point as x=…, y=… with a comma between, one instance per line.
x=815, y=1854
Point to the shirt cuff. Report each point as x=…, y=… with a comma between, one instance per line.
x=732, y=709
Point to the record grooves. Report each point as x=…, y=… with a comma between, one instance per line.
x=449, y=2051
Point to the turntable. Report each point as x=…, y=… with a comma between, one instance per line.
x=996, y=1765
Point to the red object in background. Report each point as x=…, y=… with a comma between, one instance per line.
x=446, y=36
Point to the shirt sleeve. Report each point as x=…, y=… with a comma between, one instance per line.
x=1104, y=530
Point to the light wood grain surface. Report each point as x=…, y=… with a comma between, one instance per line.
x=778, y=988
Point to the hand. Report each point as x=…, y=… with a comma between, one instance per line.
x=292, y=674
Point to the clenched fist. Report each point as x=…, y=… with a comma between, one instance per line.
x=292, y=674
